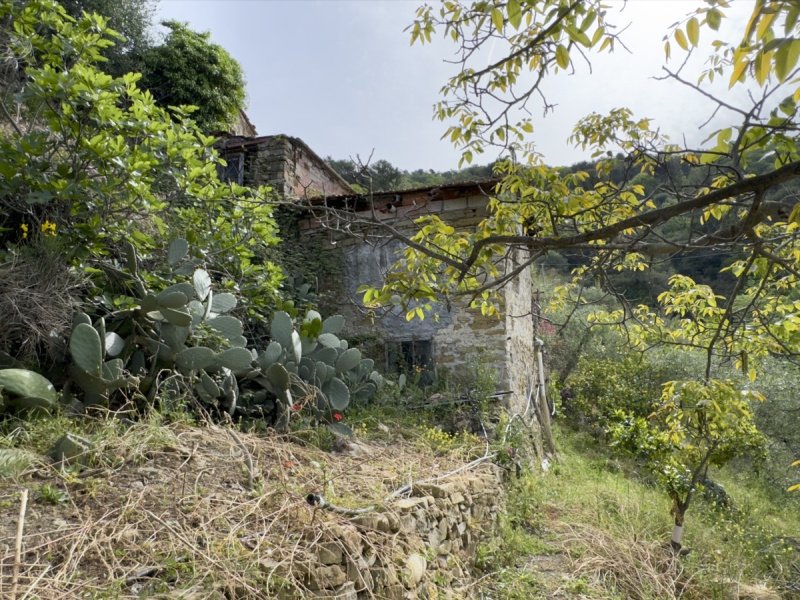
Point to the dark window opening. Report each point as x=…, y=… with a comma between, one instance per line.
x=233, y=171
x=412, y=357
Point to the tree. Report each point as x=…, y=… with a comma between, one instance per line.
x=132, y=19
x=694, y=425
x=190, y=70
x=741, y=188
x=92, y=160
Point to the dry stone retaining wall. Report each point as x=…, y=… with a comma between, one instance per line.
x=422, y=546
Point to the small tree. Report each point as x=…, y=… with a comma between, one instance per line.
x=693, y=426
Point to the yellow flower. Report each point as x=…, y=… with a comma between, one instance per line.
x=48, y=228
x=24, y=228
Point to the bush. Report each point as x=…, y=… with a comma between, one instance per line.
x=600, y=387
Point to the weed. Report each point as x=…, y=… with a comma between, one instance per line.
x=51, y=494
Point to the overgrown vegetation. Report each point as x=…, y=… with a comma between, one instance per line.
x=594, y=528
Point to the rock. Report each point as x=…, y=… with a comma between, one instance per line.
x=416, y=565
x=358, y=572
x=411, y=503
x=326, y=578
x=329, y=553
x=346, y=591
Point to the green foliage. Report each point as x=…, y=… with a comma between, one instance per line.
x=382, y=176
x=695, y=425
x=176, y=336
x=602, y=386
x=93, y=160
x=131, y=18
x=190, y=70
x=611, y=524
x=25, y=389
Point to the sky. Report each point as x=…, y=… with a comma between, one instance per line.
x=341, y=75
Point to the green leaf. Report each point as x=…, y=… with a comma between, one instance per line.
x=171, y=299
x=338, y=394
x=562, y=56
x=333, y=324
x=237, y=360
x=497, y=19
x=223, y=303
x=229, y=327
x=278, y=376
x=714, y=18
x=281, y=329
x=693, y=31
x=202, y=283
x=114, y=344
x=179, y=318
x=178, y=249
x=786, y=57
x=349, y=359
x=194, y=359
x=514, y=13
x=329, y=340
x=86, y=349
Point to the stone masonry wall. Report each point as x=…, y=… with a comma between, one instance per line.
x=519, y=343
x=289, y=166
x=422, y=546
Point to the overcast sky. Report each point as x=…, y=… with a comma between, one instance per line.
x=341, y=75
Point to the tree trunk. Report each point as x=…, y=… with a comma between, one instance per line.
x=677, y=530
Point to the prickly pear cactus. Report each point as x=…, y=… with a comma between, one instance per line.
x=180, y=337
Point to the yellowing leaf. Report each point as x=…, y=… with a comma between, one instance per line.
x=680, y=37
x=765, y=23
x=562, y=56
x=693, y=31
x=763, y=64
x=740, y=64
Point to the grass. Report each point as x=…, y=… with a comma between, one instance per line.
x=590, y=528
x=610, y=529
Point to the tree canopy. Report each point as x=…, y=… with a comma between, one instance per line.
x=132, y=19
x=739, y=202
x=190, y=70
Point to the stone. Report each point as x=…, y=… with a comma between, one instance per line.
x=359, y=573
x=326, y=578
x=346, y=591
x=408, y=504
x=416, y=565
x=329, y=553
x=394, y=592
x=434, y=539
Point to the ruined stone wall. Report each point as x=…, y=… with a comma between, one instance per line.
x=291, y=168
x=422, y=546
x=461, y=336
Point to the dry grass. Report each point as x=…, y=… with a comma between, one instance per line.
x=38, y=295
x=629, y=564
x=171, y=512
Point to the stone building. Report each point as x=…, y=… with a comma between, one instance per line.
x=286, y=163
x=458, y=337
